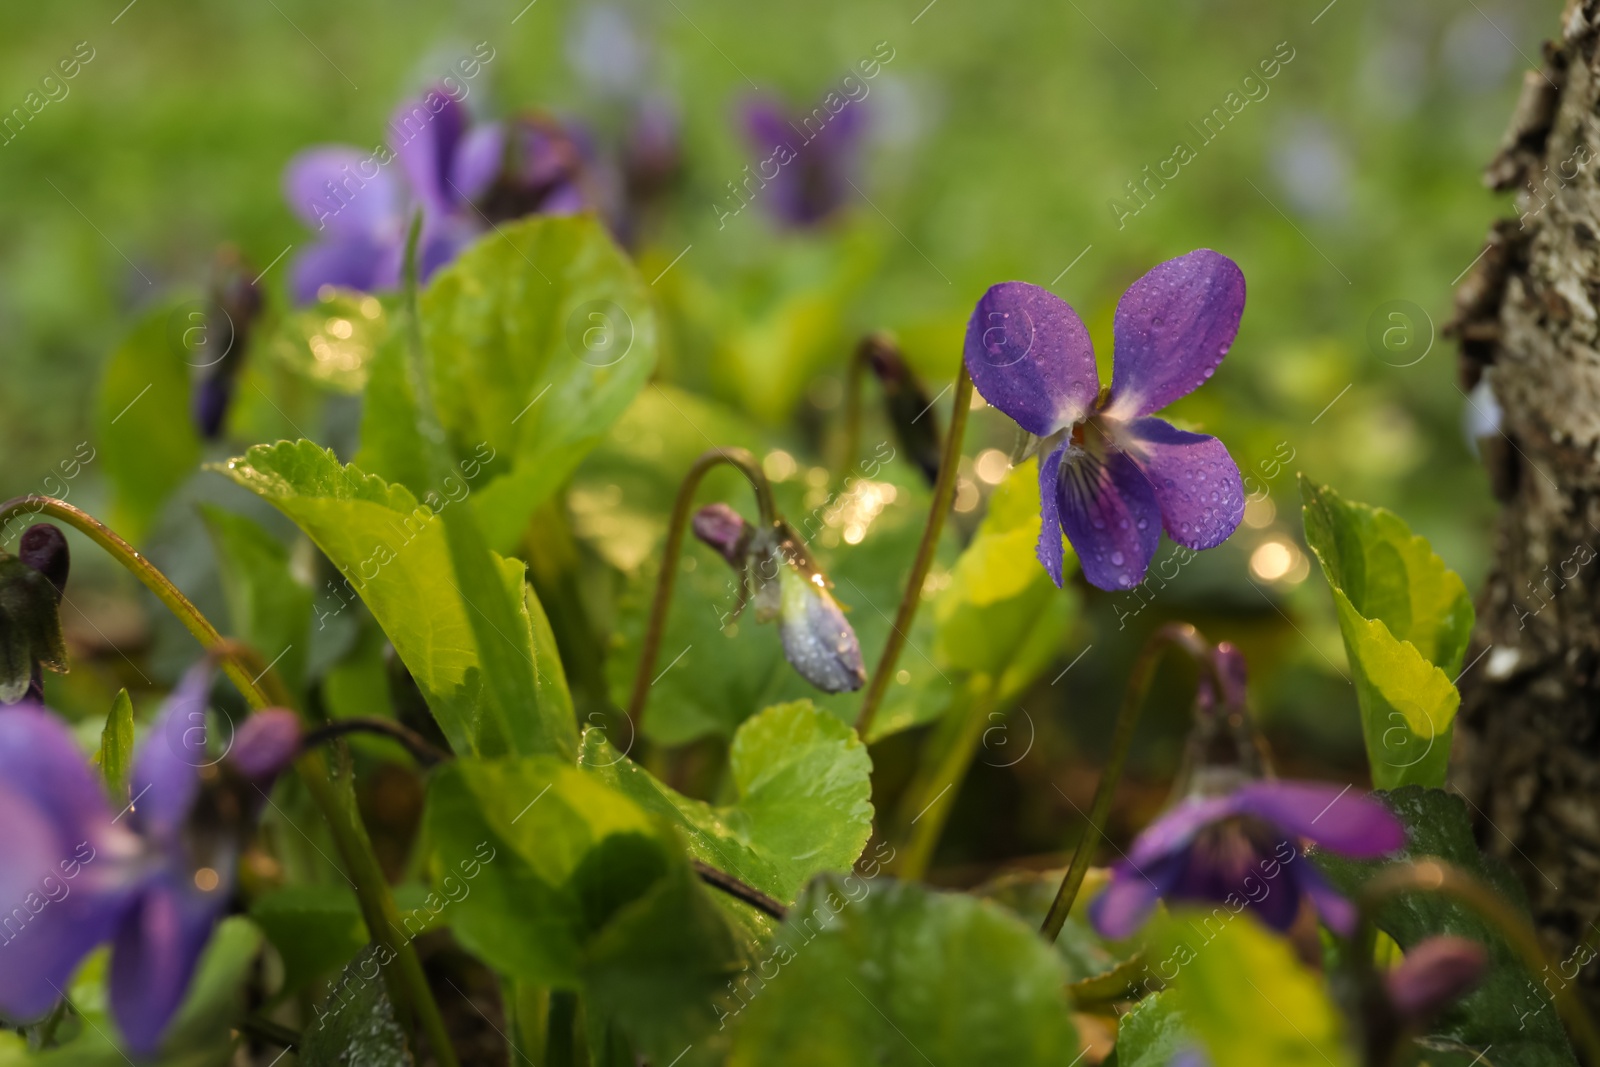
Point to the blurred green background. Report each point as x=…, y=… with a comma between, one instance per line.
x=1001, y=134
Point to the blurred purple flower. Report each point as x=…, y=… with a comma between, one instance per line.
x=806, y=160
x=1241, y=850
x=1112, y=476
x=152, y=879
x=544, y=167
x=363, y=208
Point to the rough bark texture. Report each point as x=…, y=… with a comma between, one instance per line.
x=1527, y=320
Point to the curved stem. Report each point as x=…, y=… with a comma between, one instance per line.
x=1172, y=634
x=1437, y=876
x=668, y=576
x=944, y=492
x=424, y=753
x=408, y=987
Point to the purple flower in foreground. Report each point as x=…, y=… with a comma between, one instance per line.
x=152, y=879
x=542, y=167
x=805, y=161
x=1112, y=477
x=1241, y=850
x=362, y=207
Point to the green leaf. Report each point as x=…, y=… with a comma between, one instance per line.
x=142, y=420
x=1406, y=620
x=802, y=798
x=1152, y=1034
x=556, y=879
x=1000, y=615
x=216, y=994
x=1245, y=995
x=315, y=928
x=116, y=747
x=332, y=342
x=1508, y=1010
x=1028, y=895
x=879, y=972
x=395, y=553
x=355, y=1024
x=270, y=608
x=537, y=338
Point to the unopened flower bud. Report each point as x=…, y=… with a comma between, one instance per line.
x=817, y=640
x=266, y=743
x=1434, y=974
x=30, y=625
x=909, y=407
x=725, y=531
x=44, y=548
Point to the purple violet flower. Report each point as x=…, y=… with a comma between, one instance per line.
x=805, y=161
x=1242, y=850
x=362, y=206
x=544, y=166
x=1112, y=476
x=152, y=879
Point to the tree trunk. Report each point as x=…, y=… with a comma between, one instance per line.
x=1528, y=755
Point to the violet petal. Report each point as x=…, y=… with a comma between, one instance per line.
x=266, y=743
x=1194, y=478
x=479, y=160
x=1352, y=824
x=1335, y=911
x=59, y=907
x=1049, y=549
x=166, y=768
x=156, y=950
x=426, y=132
x=350, y=263
x=1111, y=516
x=1030, y=356
x=1124, y=904
x=1175, y=829
x=1173, y=327
x=342, y=191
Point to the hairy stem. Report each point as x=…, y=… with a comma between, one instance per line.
x=408, y=988
x=668, y=576
x=944, y=492
x=1436, y=876
x=1173, y=634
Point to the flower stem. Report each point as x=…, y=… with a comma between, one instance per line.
x=1172, y=634
x=668, y=576
x=944, y=492
x=1437, y=876
x=407, y=986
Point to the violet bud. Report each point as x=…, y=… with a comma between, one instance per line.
x=907, y=402
x=725, y=531
x=30, y=626
x=1435, y=973
x=44, y=548
x=234, y=305
x=265, y=744
x=817, y=640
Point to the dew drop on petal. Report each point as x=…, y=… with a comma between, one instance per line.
x=1145, y=523
x=1116, y=558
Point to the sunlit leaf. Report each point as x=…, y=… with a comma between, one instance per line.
x=394, y=553
x=1406, y=620
x=116, y=747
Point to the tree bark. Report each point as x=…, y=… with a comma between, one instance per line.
x=1528, y=734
